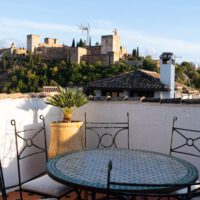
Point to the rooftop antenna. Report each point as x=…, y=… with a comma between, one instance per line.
x=87, y=30
x=178, y=56
x=115, y=31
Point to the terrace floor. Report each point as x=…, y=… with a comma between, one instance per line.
x=15, y=196
x=27, y=196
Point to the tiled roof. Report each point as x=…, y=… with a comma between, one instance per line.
x=140, y=80
x=178, y=86
x=185, y=88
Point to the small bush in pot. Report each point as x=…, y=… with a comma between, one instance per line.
x=66, y=135
x=66, y=100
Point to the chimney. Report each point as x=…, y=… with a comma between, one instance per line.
x=167, y=74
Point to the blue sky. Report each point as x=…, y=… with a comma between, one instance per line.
x=153, y=25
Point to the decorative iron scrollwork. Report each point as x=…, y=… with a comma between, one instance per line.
x=190, y=139
x=105, y=131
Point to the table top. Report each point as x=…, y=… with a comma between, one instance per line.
x=88, y=169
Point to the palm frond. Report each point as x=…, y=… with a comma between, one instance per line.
x=67, y=98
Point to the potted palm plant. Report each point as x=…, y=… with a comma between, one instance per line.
x=65, y=135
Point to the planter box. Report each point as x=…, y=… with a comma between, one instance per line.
x=65, y=137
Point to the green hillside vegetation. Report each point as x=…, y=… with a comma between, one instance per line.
x=30, y=74
x=187, y=74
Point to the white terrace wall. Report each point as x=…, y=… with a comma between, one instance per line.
x=150, y=124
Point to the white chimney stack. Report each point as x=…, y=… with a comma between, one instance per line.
x=167, y=74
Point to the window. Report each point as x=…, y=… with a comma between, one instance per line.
x=165, y=61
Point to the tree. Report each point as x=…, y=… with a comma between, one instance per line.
x=38, y=58
x=53, y=83
x=148, y=64
x=73, y=42
x=81, y=44
x=134, y=53
x=22, y=76
x=31, y=61
x=138, y=54
x=90, y=42
x=4, y=62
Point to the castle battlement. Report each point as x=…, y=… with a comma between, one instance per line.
x=108, y=52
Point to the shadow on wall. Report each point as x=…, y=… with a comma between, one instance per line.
x=26, y=112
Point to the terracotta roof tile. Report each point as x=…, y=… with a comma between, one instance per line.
x=135, y=80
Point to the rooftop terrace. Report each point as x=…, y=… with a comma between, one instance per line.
x=150, y=125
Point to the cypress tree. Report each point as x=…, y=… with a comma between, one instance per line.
x=90, y=42
x=81, y=43
x=67, y=56
x=31, y=61
x=138, y=52
x=4, y=62
x=134, y=53
x=73, y=42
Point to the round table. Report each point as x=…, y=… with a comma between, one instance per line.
x=88, y=169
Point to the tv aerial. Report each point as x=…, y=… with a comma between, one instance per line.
x=178, y=56
x=85, y=28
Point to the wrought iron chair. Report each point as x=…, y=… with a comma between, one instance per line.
x=190, y=139
x=133, y=191
x=105, y=131
x=2, y=184
x=33, y=151
x=188, y=143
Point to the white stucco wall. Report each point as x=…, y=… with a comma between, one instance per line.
x=167, y=76
x=25, y=112
x=156, y=94
x=150, y=124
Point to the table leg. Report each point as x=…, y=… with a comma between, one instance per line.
x=93, y=195
x=85, y=195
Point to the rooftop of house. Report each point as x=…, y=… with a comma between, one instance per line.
x=178, y=86
x=139, y=80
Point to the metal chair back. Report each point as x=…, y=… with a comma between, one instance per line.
x=2, y=184
x=107, y=131
x=149, y=191
x=189, y=140
x=34, y=144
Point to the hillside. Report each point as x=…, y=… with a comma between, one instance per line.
x=30, y=74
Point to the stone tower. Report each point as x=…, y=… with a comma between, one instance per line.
x=32, y=42
x=111, y=43
x=12, y=47
x=167, y=74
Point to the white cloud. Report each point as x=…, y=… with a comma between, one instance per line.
x=151, y=51
x=5, y=43
x=102, y=22
x=186, y=49
x=16, y=30
x=21, y=24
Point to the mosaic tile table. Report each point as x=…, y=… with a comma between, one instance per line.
x=88, y=169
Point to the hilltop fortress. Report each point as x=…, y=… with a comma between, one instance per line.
x=108, y=52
